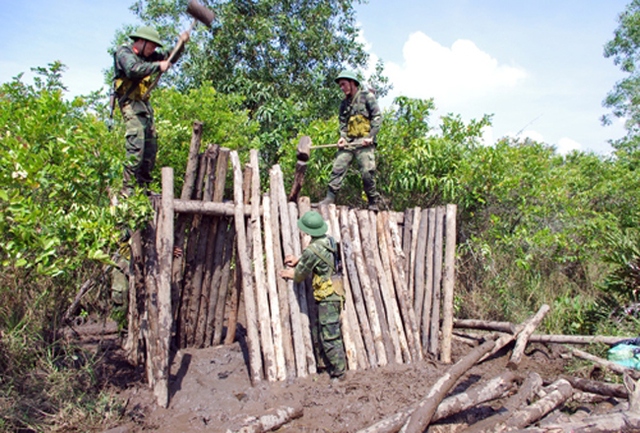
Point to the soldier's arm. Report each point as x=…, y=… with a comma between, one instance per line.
x=342, y=118
x=305, y=266
x=375, y=116
x=134, y=67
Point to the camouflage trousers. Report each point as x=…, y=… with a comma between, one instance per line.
x=328, y=336
x=141, y=144
x=366, y=160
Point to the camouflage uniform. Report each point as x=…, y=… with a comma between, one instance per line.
x=359, y=118
x=132, y=69
x=315, y=259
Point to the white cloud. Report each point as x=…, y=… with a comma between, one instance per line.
x=452, y=75
x=566, y=145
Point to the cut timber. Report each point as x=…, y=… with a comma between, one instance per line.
x=597, y=387
x=436, y=288
x=523, y=336
x=396, y=256
x=529, y=388
x=292, y=299
x=272, y=288
x=301, y=293
x=532, y=413
x=282, y=284
x=352, y=336
x=480, y=393
x=391, y=300
x=208, y=208
x=367, y=291
x=617, y=368
x=422, y=416
x=253, y=339
x=419, y=274
x=164, y=246
x=261, y=299
x=448, y=283
x=487, y=325
x=298, y=180
x=270, y=421
x=356, y=288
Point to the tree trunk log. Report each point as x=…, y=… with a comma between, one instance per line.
x=253, y=339
x=420, y=268
x=422, y=416
x=486, y=325
x=531, y=385
x=281, y=284
x=479, y=393
x=523, y=336
x=597, y=387
x=298, y=180
x=356, y=288
x=448, y=283
x=367, y=291
x=434, y=333
x=272, y=420
x=617, y=368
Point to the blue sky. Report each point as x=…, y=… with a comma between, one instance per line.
x=537, y=66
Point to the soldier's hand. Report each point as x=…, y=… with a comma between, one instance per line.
x=367, y=141
x=185, y=36
x=342, y=142
x=164, y=65
x=286, y=273
x=291, y=260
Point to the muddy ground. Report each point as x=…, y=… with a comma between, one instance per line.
x=210, y=390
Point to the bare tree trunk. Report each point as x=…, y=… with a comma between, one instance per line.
x=437, y=280
x=448, y=283
x=274, y=419
x=523, y=336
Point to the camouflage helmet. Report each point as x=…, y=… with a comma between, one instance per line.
x=147, y=33
x=349, y=75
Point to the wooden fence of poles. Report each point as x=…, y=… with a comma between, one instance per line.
x=209, y=275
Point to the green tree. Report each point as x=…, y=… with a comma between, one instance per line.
x=624, y=49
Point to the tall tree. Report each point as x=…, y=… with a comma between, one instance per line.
x=280, y=55
x=624, y=48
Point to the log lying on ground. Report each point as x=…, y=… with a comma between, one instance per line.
x=597, y=387
x=487, y=325
x=523, y=336
x=532, y=383
x=536, y=338
x=423, y=414
x=477, y=394
x=617, y=368
x=270, y=421
x=530, y=414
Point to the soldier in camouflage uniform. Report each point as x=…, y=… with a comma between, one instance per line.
x=360, y=121
x=134, y=64
x=318, y=259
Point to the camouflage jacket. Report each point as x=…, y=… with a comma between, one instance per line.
x=362, y=106
x=131, y=69
x=310, y=262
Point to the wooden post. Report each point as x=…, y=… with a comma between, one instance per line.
x=356, y=289
x=367, y=290
x=301, y=292
x=406, y=242
x=287, y=247
x=183, y=220
x=448, y=283
x=429, y=277
x=353, y=344
x=253, y=339
x=264, y=319
x=399, y=277
x=137, y=300
x=272, y=288
x=523, y=336
x=164, y=246
x=282, y=285
x=219, y=312
x=419, y=274
x=412, y=272
x=298, y=180
x=385, y=254
x=383, y=268
x=437, y=279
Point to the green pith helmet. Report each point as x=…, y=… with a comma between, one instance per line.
x=148, y=33
x=350, y=75
x=312, y=224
